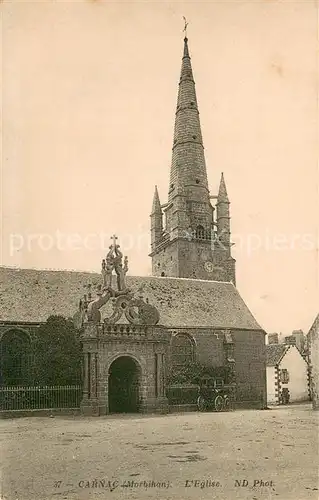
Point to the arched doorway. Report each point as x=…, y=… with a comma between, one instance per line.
x=124, y=382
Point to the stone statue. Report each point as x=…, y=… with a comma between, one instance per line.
x=93, y=308
x=107, y=268
x=119, y=269
x=137, y=311
x=148, y=314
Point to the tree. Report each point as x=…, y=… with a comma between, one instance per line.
x=58, y=353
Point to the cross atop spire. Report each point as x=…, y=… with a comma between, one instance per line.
x=185, y=27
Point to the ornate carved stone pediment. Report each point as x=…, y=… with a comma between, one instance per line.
x=136, y=310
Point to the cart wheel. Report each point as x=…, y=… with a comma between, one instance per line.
x=201, y=403
x=226, y=404
x=219, y=403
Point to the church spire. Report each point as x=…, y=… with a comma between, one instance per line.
x=188, y=167
x=223, y=216
x=156, y=220
x=222, y=193
x=156, y=207
x=182, y=229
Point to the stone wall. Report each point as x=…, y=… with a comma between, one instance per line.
x=187, y=259
x=249, y=355
x=313, y=341
x=272, y=385
x=250, y=367
x=315, y=371
x=166, y=261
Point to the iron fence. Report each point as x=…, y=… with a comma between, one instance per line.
x=38, y=398
x=182, y=394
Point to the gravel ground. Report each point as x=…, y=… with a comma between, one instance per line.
x=272, y=454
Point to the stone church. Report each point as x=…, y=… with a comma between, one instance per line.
x=136, y=329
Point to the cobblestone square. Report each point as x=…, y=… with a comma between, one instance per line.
x=247, y=454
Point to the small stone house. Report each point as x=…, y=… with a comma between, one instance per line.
x=286, y=368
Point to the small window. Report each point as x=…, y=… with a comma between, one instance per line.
x=197, y=181
x=162, y=273
x=183, y=351
x=284, y=376
x=200, y=233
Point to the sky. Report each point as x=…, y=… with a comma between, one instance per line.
x=89, y=93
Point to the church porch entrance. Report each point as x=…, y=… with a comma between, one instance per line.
x=124, y=385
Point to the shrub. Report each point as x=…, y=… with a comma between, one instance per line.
x=58, y=353
x=192, y=373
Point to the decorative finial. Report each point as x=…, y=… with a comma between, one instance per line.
x=185, y=26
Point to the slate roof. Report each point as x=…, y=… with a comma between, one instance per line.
x=29, y=295
x=275, y=353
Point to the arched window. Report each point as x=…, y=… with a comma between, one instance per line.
x=15, y=358
x=200, y=233
x=182, y=350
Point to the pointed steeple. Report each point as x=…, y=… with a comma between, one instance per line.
x=156, y=207
x=188, y=161
x=223, y=216
x=222, y=193
x=156, y=220
x=183, y=247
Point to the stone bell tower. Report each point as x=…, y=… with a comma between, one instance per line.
x=191, y=242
